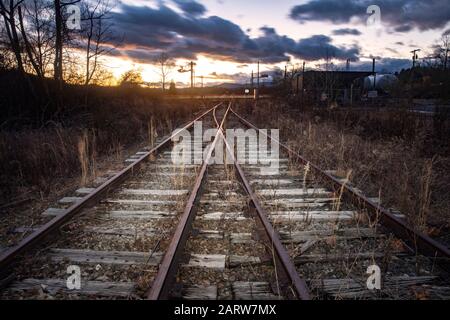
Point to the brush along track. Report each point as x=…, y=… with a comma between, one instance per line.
x=213, y=235
x=118, y=244
x=227, y=232
x=333, y=242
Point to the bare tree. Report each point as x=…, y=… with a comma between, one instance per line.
x=28, y=32
x=165, y=66
x=131, y=77
x=38, y=34
x=28, y=48
x=60, y=29
x=8, y=10
x=445, y=41
x=438, y=57
x=6, y=62
x=103, y=77
x=98, y=34
x=6, y=59
x=57, y=63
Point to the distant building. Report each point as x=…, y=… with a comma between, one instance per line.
x=331, y=86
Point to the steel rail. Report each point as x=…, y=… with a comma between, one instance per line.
x=418, y=240
x=283, y=259
x=8, y=256
x=165, y=278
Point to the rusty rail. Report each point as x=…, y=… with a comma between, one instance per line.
x=165, y=278
x=417, y=240
x=282, y=258
x=7, y=257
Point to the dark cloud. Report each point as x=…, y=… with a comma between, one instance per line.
x=392, y=50
x=144, y=25
x=320, y=47
x=446, y=32
x=191, y=7
x=148, y=31
x=235, y=77
x=346, y=31
x=402, y=15
x=403, y=28
x=335, y=11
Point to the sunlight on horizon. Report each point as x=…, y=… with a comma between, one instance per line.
x=224, y=33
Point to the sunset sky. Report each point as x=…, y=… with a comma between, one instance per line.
x=227, y=37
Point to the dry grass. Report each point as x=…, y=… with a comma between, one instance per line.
x=398, y=167
x=35, y=159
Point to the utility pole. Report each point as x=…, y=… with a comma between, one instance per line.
x=374, y=74
x=258, y=76
x=202, y=84
x=303, y=83
x=347, y=67
x=252, y=81
x=192, y=74
x=191, y=70
x=202, y=92
x=257, y=84
x=415, y=57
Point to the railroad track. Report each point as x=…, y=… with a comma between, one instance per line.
x=159, y=230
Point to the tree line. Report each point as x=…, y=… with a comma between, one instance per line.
x=36, y=38
x=65, y=40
